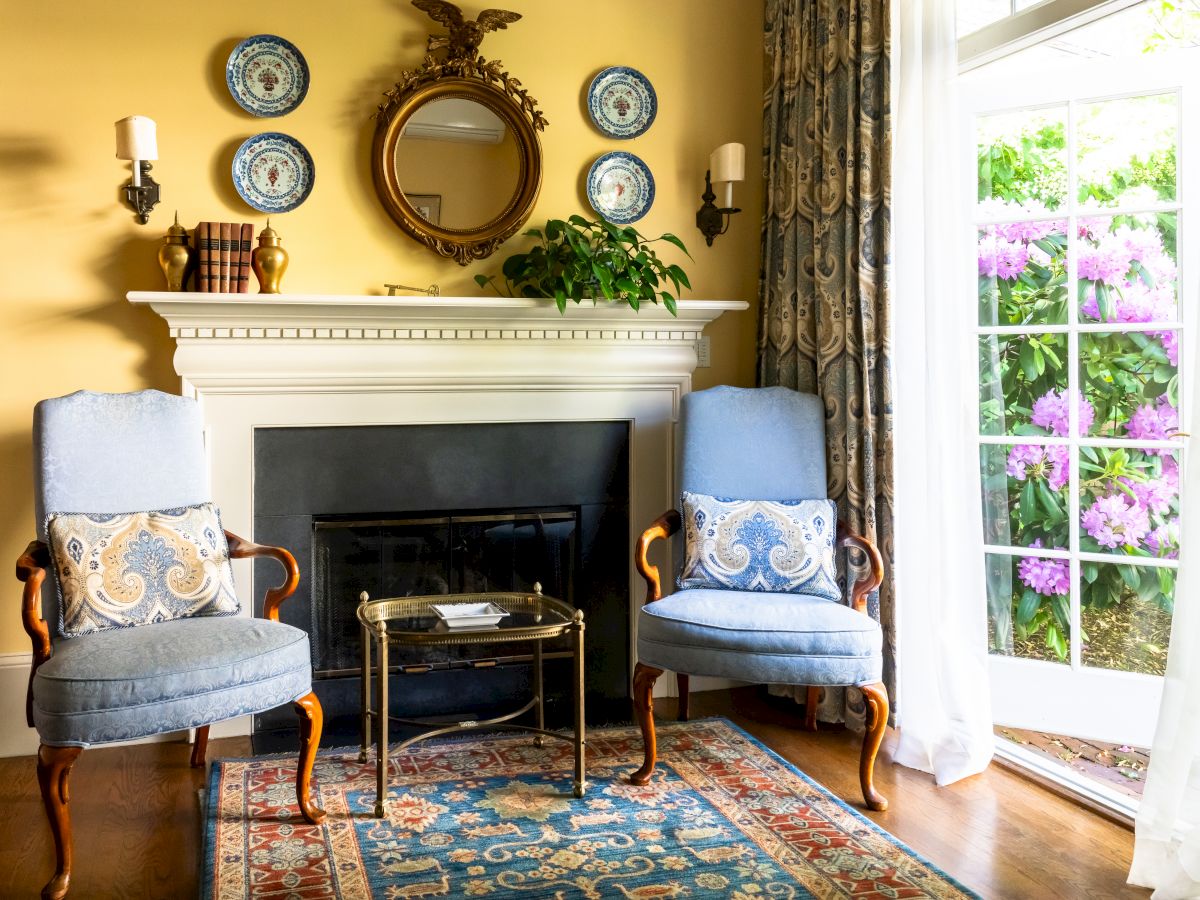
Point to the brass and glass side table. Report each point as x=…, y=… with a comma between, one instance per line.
x=532, y=617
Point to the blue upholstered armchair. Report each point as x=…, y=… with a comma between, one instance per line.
x=758, y=444
x=105, y=455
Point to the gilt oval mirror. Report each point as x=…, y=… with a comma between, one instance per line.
x=456, y=160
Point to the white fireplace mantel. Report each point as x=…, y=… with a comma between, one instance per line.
x=313, y=360
x=316, y=339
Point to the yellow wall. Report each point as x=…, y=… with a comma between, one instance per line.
x=69, y=251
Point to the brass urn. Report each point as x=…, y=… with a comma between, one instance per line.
x=269, y=261
x=176, y=258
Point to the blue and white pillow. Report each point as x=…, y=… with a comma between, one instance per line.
x=779, y=546
x=119, y=571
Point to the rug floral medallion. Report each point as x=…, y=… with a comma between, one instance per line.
x=495, y=817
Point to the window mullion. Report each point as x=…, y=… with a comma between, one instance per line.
x=1074, y=388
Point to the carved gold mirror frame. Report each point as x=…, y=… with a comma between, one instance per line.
x=462, y=74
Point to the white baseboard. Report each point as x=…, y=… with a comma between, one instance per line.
x=666, y=686
x=16, y=738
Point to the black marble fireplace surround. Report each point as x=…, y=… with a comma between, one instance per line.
x=569, y=477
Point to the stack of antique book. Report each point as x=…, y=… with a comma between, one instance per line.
x=223, y=257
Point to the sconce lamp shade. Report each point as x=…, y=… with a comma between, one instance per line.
x=728, y=163
x=137, y=138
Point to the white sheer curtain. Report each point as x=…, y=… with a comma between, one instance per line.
x=1166, y=853
x=946, y=722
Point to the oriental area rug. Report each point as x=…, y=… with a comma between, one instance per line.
x=495, y=816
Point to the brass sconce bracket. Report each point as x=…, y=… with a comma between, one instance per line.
x=143, y=198
x=711, y=219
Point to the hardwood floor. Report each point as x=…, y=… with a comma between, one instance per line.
x=137, y=819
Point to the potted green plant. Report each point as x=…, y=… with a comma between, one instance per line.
x=577, y=259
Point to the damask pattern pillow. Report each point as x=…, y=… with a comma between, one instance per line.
x=780, y=546
x=118, y=571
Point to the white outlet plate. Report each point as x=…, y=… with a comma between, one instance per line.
x=703, y=353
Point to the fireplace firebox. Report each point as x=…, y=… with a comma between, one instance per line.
x=399, y=510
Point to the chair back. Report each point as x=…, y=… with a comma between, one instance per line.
x=114, y=453
x=754, y=444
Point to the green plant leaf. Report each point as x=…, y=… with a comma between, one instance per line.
x=1028, y=509
x=1028, y=605
x=1062, y=612
x=672, y=239
x=1049, y=501
x=1028, y=365
x=679, y=276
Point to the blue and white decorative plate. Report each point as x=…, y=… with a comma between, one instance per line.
x=267, y=75
x=620, y=187
x=273, y=172
x=622, y=102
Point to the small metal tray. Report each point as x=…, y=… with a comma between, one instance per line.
x=469, y=615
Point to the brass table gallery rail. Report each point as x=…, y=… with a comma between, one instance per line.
x=532, y=617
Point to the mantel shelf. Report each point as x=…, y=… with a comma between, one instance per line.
x=194, y=316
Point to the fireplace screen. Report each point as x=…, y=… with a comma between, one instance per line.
x=450, y=554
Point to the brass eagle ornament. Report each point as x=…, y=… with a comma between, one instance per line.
x=465, y=36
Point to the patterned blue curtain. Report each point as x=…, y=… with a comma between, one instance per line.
x=824, y=316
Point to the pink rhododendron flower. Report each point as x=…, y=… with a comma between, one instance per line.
x=999, y=258
x=1046, y=576
x=1154, y=422
x=1170, y=342
x=1031, y=461
x=1163, y=541
x=1051, y=411
x=1116, y=521
x=1156, y=495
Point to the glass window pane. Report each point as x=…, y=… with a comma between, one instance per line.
x=1025, y=499
x=1023, y=273
x=1022, y=162
x=1129, y=501
x=1125, y=616
x=1131, y=384
x=1126, y=150
x=1128, y=268
x=1029, y=607
x=1023, y=384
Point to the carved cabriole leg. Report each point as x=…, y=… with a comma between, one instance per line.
x=308, y=708
x=811, y=701
x=877, y=701
x=644, y=677
x=53, y=770
x=200, y=747
x=681, y=681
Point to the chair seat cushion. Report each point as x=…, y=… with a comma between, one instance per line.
x=761, y=638
x=129, y=683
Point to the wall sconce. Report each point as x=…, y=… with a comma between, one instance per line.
x=726, y=165
x=137, y=140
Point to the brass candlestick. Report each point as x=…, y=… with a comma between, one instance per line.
x=269, y=261
x=176, y=257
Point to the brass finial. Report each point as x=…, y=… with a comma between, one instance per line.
x=176, y=234
x=268, y=237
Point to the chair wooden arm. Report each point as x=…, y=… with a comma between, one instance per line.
x=664, y=526
x=863, y=587
x=31, y=571
x=240, y=548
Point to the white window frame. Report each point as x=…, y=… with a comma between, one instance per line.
x=1014, y=680
x=1022, y=29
